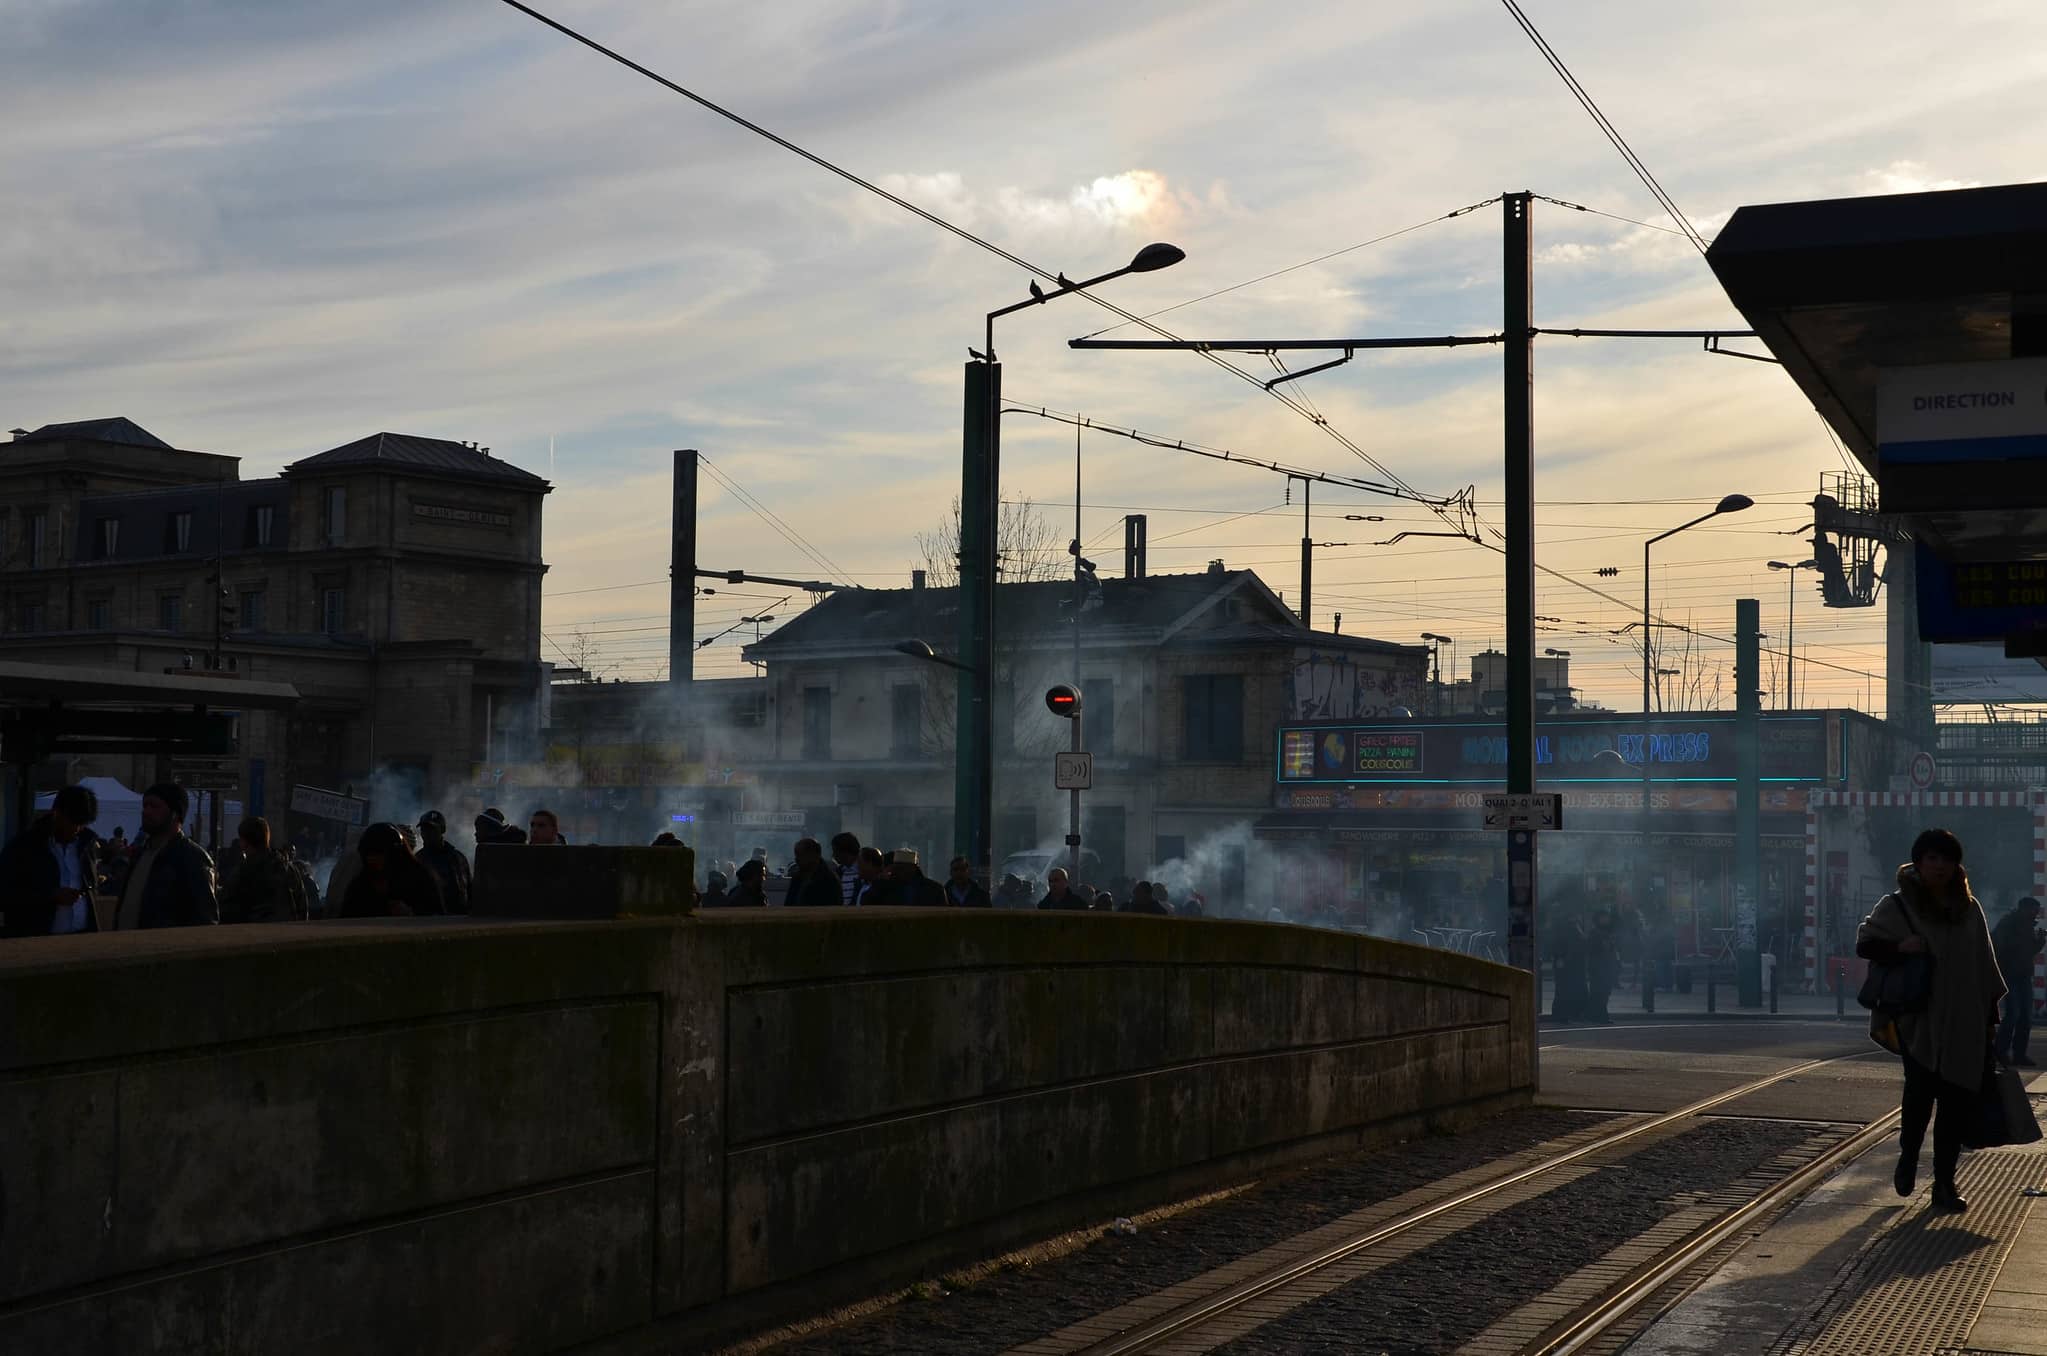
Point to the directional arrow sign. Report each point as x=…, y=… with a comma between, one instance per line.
x=1542, y=810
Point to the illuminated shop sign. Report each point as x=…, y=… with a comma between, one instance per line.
x=1689, y=748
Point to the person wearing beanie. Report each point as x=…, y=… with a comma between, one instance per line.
x=171, y=884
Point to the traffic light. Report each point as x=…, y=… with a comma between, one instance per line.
x=230, y=612
x=1063, y=699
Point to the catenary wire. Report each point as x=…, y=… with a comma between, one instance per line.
x=1612, y=133
x=1305, y=263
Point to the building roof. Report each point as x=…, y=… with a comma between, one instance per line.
x=424, y=456
x=1842, y=287
x=115, y=430
x=1153, y=609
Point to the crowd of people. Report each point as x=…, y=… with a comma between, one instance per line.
x=855, y=875
x=53, y=871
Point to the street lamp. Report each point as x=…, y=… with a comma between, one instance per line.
x=1733, y=503
x=917, y=649
x=980, y=511
x=1790, y=621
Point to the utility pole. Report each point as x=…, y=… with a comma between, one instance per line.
x=682, y=575
x=1518, y=327
x=973, y=759
x=1307, y=555
x=1748, y=809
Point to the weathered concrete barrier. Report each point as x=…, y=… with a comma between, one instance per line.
x=465, y=1136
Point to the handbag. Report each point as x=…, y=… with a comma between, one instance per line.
x=1899, y=986
x=2004, y=1113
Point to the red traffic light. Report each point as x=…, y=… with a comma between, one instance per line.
x=1063, y=699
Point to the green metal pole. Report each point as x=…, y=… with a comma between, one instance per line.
x=973, y=744
x=1748, y=816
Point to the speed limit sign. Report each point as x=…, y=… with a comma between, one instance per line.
x=1924, y=770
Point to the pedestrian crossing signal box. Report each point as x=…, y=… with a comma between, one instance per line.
x=1063, y=699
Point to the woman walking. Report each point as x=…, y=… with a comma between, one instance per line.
x=1946, y=1043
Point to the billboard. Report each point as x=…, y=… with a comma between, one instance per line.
x=1681, y=748
x=1981, y=673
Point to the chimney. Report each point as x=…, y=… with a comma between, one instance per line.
x=917, y=580
x=1336, y=627
x=19, y=433
x=1215, y=567
x=1133, y=546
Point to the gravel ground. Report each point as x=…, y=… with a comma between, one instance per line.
x=1446, y=1294
x=1013, y=1307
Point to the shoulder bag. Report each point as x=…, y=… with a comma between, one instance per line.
x=1904, y=984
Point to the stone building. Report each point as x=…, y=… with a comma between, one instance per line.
x=1186, y=678
x=393, y=580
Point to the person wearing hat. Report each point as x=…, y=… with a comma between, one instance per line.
x=171, y=883
x=492, y=828
x=909, y=885
x=2017, y=939
x=450, y=868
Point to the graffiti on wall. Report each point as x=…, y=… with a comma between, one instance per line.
x=1343, y=685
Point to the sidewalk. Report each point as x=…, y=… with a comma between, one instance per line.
x=1853, y=1270
x=1625, y=1005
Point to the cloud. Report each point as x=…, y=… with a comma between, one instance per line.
x=1910, y=176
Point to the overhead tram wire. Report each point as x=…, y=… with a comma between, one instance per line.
x=1305, y=263
x=774, y=521
x=1610, y=216
x=1612, y=133
x=1463, y=528
x=1249, y=378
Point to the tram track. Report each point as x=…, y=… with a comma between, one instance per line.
x=1217, y=1317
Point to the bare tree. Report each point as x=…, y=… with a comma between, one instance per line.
x=580, y=649
x=1027, y=547
x=1028, y=550
x=1696, y=681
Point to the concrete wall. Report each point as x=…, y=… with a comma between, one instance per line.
x=522, y=1136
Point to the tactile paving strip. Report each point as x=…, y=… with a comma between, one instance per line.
x=1918, y=1286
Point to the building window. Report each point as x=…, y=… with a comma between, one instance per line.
x=906, y=720
x=99, y=614
x=1212, y=718
x=28, y=616
x=170, y=612
x=262, y=522
x=817, y=722
x=334, y=516
x=333, y=607
x=38, y=539
x=251, y=611
x=177, y=533
x=106, y=538
x=1098, y=717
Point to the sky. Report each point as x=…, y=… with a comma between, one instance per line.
x=266, y=229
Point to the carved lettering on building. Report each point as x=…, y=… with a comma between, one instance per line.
x=449, y=513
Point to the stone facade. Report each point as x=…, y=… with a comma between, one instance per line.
x=395, y=581
x=1185, y=679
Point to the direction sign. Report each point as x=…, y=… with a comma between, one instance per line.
x=1542, y=810
x=768, y=819
x=319, y=804
x=206, y=778
x=1073, y=771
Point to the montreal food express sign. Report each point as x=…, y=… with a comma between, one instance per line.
x=1685, y=748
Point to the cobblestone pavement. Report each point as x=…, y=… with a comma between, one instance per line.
x=1015, y=1306
x=1442, y=1296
